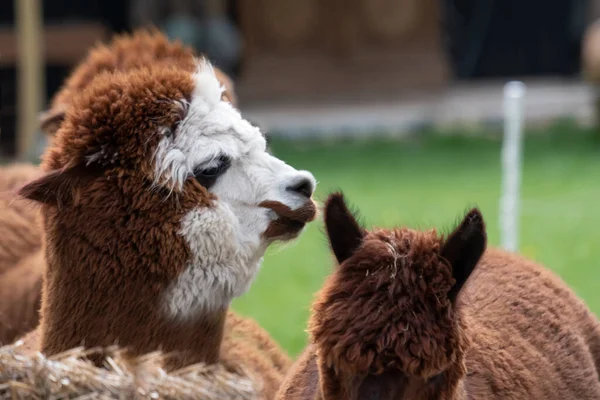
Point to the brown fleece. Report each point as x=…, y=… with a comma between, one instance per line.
x=20, y=298
x=21, y=259
x=394, y=321
x=112, y=246
x=31, y=340
x=248, y=330
x=20, y=229
x=247, y=344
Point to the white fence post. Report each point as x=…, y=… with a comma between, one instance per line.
x=514, y=93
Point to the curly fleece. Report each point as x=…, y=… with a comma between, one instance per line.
x=387, y=325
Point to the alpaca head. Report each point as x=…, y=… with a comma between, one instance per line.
x=385, y=323
x=164, y=180
x=142, y=48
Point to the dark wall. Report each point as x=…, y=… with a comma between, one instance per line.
x=113, y=13
x=503, y=38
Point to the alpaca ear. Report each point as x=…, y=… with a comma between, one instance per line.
x=55, y=188
x=463, y=249
x=50, y=120
x=343, y=231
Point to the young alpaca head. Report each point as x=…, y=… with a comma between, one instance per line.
x=385, y=324
x=142, y=48
x=159, y=201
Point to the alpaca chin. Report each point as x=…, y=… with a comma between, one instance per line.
x=225, y=261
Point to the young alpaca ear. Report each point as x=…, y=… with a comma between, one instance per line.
x=50, y=120
x=463, y=249
x=55, y=188
x=343, y=231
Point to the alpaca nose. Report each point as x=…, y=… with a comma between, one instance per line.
x=304, y=187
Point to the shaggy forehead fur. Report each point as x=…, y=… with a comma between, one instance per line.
x=386, y=307
x=117, y=121
x=125, y=52
x=108, y=139
x=145, y=47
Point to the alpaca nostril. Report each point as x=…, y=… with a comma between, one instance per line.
x=303, y=187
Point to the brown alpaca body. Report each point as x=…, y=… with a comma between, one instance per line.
x=531, y=337
x=247, y=344
x=22, y=262
x=523, y=334
x=21, y=259
x=20, y=226
x=149, y=257
x=21, y=288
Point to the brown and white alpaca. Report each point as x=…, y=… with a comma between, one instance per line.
x=23, y=259
x=414, y=315
x=159, y=201
x=21, y=239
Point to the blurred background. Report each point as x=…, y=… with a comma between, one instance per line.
x=397, y=102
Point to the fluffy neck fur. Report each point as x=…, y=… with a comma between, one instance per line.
x=105, y=278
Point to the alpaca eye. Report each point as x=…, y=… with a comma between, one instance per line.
x=209, y=172
x=208, y=176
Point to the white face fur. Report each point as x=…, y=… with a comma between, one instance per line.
x=226, y=240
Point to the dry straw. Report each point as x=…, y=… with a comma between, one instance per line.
x=71, y=375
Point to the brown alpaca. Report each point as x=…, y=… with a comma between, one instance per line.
x=21, y=259
x=19, y=230
x=394, y=321
x=20, y=246
x=158, y=202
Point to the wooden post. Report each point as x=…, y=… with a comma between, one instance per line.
x=30, y=71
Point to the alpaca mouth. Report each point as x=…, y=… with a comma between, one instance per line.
x=289, y=223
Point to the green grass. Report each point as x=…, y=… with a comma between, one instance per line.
x=430, y=181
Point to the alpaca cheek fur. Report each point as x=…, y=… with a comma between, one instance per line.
x=225, y=260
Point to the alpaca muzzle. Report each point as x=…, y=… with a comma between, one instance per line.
x=289, y=223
